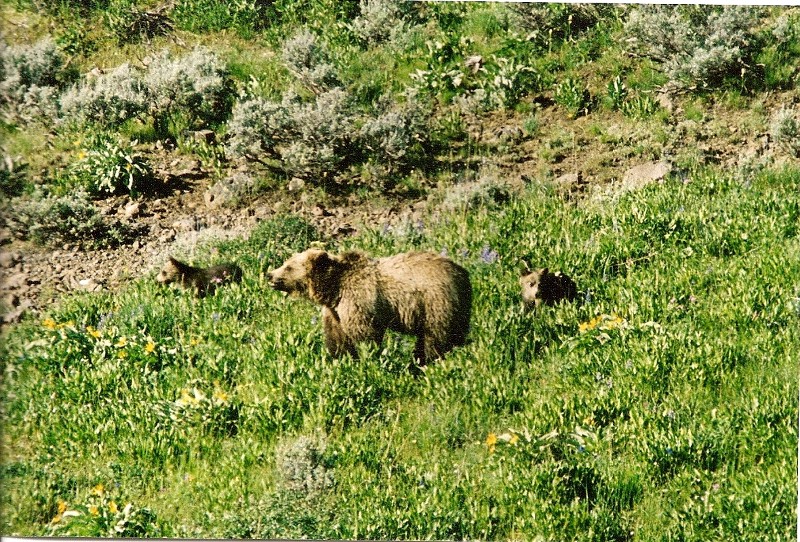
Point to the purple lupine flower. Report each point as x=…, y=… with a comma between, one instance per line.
x=488, y=255
x=464, y=252
x=443, y=253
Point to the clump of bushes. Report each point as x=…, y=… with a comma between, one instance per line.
x=30, y=79
x=697, y=46
x=549, y=22
x=176, y=93
x=381, y=20
x=310, y=61
x=785, y=130
x=320, y=136
x=72, y=218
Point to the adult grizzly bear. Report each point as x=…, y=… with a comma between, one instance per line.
x=542, y=286
x=420, y=293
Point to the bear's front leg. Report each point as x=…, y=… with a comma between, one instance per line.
x=336, y=341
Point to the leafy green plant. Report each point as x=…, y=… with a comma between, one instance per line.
x=573, y=96
x=100, y=516
x=109, y=166
x=639, y=106
x=616, y=92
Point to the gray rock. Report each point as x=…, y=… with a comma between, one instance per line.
x=644, y=174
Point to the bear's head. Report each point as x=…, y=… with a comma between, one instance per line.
x=531, y=282
x=313, y=274
x=172, y=271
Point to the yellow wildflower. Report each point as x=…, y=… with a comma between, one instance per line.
x=112, y=507
x=514, y=439
x=150, y=347
x=81, y=155
x=491, y=441
x=122, y=354
x=49, y=323
x=220, y=395
x=94, y=511
x=93, y=332
x=194, y=341
x=62, y=507
x=121, y=342
x=98, y=489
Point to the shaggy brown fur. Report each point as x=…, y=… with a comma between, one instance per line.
x=419, y=293
x=203, y=280
x=542, y=286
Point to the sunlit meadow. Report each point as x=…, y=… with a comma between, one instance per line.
x=662, y=405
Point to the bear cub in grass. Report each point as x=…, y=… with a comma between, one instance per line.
x=542, y=286
x=419, y=293
x=203, y=280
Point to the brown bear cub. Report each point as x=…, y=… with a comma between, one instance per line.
x=542, y=286
x=419, y=293
x=203, y=280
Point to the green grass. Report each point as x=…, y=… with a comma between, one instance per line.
x=661, y=407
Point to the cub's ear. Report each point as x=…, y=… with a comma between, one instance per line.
x=524, y=267
x=544, y=271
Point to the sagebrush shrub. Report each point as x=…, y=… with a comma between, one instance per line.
x=310, y=61
x=697, y=45
x=301, y=465
x=30, y=77
x=398, y=135
x=108, y=99
x=785, y=130
x=73, y=218
x=310, y=139
x=379, y=20
x=196, y=86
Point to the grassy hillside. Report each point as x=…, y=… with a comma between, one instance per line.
x=662, y=405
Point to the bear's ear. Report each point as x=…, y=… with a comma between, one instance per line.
x=173, y=261
x=524, y=267
x=544, y=271
x=323, y=278
x=319, y=261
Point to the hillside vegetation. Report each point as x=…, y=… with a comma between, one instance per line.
x=661, y=405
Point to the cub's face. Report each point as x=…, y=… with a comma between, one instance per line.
x=169, y=273
x=531, y=287
x=294, y=275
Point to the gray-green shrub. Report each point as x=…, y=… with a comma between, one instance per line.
x=30, y=76
x=73, y=218
x=107, y=99
x=696, y=45
x=785, y=130
x=310, y=61
x=196, y=86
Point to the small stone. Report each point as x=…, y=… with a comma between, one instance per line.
x=296, y=184
x=132, y=210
